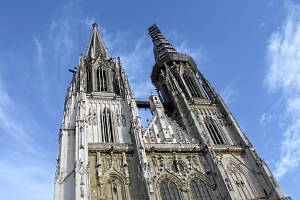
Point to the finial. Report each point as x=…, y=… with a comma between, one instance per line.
x=95, y=24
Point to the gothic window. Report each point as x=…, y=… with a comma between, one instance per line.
x=192, y=85
x=107, y=126
x=102, y=80
x=241, y=182
x=199, y=190
x=214, y=131
x=88, y=75
x=168, y=190
x=115, y=84
x=114, y=189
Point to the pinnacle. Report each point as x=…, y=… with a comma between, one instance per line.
x=94, y=24
x=96, y=46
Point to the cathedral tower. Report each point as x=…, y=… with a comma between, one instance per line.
x=192, y=149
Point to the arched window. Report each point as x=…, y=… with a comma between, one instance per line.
x=192, y=85
x=168, y=190
x=241, y=182
x=214, y=131
x=88, y=75
x=114, y=189
x=107, y=126
x=101, y=79
x=116, y=84
x=199, y=190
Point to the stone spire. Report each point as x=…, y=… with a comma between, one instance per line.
x=96, y=46
x=161, y=46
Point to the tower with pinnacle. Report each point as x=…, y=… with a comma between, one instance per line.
x=192, y=149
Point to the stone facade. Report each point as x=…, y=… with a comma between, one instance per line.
x=192, y=149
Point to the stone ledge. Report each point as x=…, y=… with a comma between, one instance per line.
x=118, y=147
x=228, y=148
x=174, y=147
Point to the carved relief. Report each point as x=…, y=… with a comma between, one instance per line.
x=95, y=116
x=177, y=167
x=151, y=134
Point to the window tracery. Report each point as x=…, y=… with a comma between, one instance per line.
x=241, y=181
x=107, y=126
x=168, y=190
x=102, y=80
x=199, y=190
x=192, y=85
x=116, y=84
x=214, y=132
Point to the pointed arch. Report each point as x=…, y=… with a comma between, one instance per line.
x=241, y=181
x=168, y=190
x=169, y=187
x=115, y=185
x=102, y=79
x=214, y=131
x=200, y=187
x=192, y=85
x=107, y=126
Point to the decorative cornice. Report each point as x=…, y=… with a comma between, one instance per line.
x=118, y=147
x=228, y=148
x=174, y=147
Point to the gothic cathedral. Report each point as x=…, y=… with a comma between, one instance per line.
x=192, y=149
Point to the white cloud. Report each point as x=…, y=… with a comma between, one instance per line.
x=265, y=119
x=27, y=155
x=195, y=53
x=135, y=60
x=27, y=170
x=262, y=25
x=40, y=51
x=283, y=78
x=229, y=94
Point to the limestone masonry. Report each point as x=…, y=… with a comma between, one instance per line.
x=192, y=149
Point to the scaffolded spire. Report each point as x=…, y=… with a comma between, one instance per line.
x=161, y=46
x=96, y=46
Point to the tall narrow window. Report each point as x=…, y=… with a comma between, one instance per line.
x=192, y=85
x=242, y=183
x=199, y=190
x=88, y=75
x=214, y=131
x=168, y=190
x=116, y=84
x=107, y=127
x=101, y=79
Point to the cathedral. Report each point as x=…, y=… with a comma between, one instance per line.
x=192, y=148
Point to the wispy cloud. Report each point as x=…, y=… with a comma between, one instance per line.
x=181, y=44
x=40, y=51
x=265, y=119
x=22, y=159
x=230, y=94
x=262, y=25
x=283, y=78
x=136, y=59
x=34, y=100
x=196, y=53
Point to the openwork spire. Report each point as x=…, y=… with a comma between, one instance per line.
x=161, y=46
x=96, y=46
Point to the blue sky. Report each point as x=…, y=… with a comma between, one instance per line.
x=248, y=50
